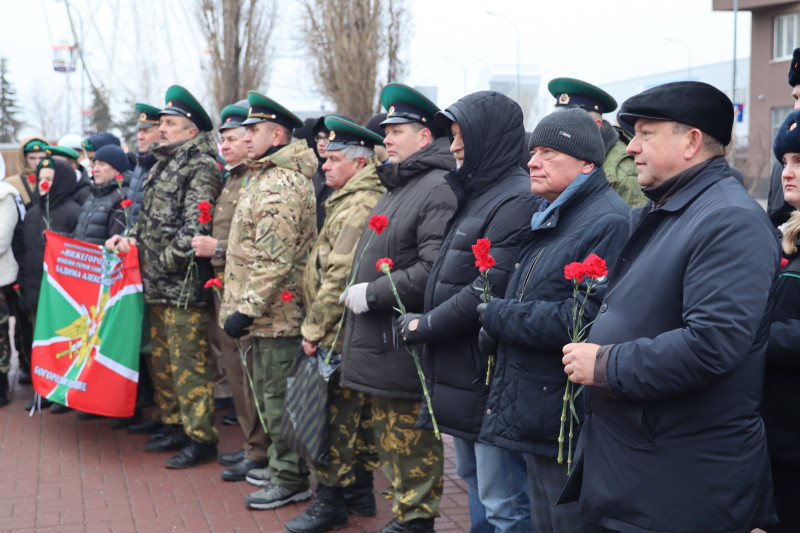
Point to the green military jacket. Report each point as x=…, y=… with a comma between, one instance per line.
x=619, y=166
x=185, y=174
x=346, y=214
x=224, y=210
x=273, y=229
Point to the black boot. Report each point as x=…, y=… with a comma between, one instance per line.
x=175, y=439
x=4, y=390
x=418, y=525
x=360, y=494
x=193, y=454
x=327, y=512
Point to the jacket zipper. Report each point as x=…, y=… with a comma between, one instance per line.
x=530, y=271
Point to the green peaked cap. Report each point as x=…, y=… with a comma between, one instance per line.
x=180, y=102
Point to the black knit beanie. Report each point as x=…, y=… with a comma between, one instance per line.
x=572, y=131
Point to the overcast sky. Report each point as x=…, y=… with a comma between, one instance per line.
x=452, y=46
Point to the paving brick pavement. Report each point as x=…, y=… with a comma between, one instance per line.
x=60, y=474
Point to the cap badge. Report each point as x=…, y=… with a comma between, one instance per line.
x=142, y=116
x=391, y=111
x=169, y=103
x=35, y=147
x=563, y=99
x=228, y=119
x=45, y=163
x=332, y=136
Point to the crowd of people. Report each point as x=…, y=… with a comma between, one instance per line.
x=614, y=280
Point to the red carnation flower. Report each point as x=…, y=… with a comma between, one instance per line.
x=378, y=223
x=574, y=271
x=32, y=179
x=126, y=203
x=784, y=262
x=483, y=260
x=384, y=261
x=45, y=186
x=286, y=296
x=204, y=206
x=15, y=286
x=213, y=282
x=595, y=267
x=204, y=217
x=119, y=178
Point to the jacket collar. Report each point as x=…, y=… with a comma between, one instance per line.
x=690, y=183
x=434, y=156
x=592, y=185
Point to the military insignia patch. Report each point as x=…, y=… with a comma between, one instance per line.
x=391, y=111
x=563, y=99
x=35, y=147
x=142, y=117
x=332, y=136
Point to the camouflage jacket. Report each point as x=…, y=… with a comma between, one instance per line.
x=347, y=212
x=185, y=174
x=271, y=234
x=619, y=166
x=224, y=210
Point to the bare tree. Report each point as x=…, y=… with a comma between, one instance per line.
x=346, y=41
x=237, y=34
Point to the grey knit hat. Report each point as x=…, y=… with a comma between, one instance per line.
x=572, y=131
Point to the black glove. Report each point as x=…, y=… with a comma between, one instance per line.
x=486, y=343
x=481, y=311
x=408, y=336
x=236, y=325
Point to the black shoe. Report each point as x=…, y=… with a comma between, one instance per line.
x=174, y=440
x=223, y=403
x=230, y=459
x=193, y=454
x=418, y=525
x=325, y=513
x=359, y=496
x=45, y=404
x=161, y=432
x=58, y=408
x=230, y=418
x=124, y=421
x=239, y=471
x=144, y=427
x=24, y=377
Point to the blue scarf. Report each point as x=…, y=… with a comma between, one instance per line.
x=546, y=208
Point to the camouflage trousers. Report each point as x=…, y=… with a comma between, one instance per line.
x=352, y=440
x=5, y=339
x=272, y=360
x=411, y=459
x=182, y=379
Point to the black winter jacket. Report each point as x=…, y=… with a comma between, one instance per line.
x=101, y=214
x=534, y=318
x=418, y=204
x=136, y=192
x=494, y=202
x=63, y=213
x=782, y=374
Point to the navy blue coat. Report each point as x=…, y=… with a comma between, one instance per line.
x=534, y=318
x=495, y=202
x=672, y=439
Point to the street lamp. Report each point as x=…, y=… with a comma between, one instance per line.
x=688, y=53
x=516, y=34
x=464, y=68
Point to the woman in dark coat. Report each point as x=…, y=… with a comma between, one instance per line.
x=51, y=202
x=782, y=373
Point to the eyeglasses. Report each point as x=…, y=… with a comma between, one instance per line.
x=321, y=137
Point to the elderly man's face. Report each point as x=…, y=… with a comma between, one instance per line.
x=146, y=137
x=552, y=171
x=338, y=170
x=102, y=172
x=658, y=151
x=34, y=158
x=457, y=146
x=174, y=128
x=233, y=147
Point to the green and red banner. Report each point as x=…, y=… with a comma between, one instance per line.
x=88, y=327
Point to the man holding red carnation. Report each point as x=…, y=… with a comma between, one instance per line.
x=494, y=208
x=184, y=175
x=580, y=215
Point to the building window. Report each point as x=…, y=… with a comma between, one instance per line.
x=779, y=114
x=786, y=36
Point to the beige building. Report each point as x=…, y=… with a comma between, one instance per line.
x=774, y=36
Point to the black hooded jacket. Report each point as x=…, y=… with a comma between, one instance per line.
x=418, y=203
x=63, y=214
x=494, y=202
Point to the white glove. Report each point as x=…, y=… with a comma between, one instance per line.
x=355, y=298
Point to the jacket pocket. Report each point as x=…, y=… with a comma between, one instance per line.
x=538, y=405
